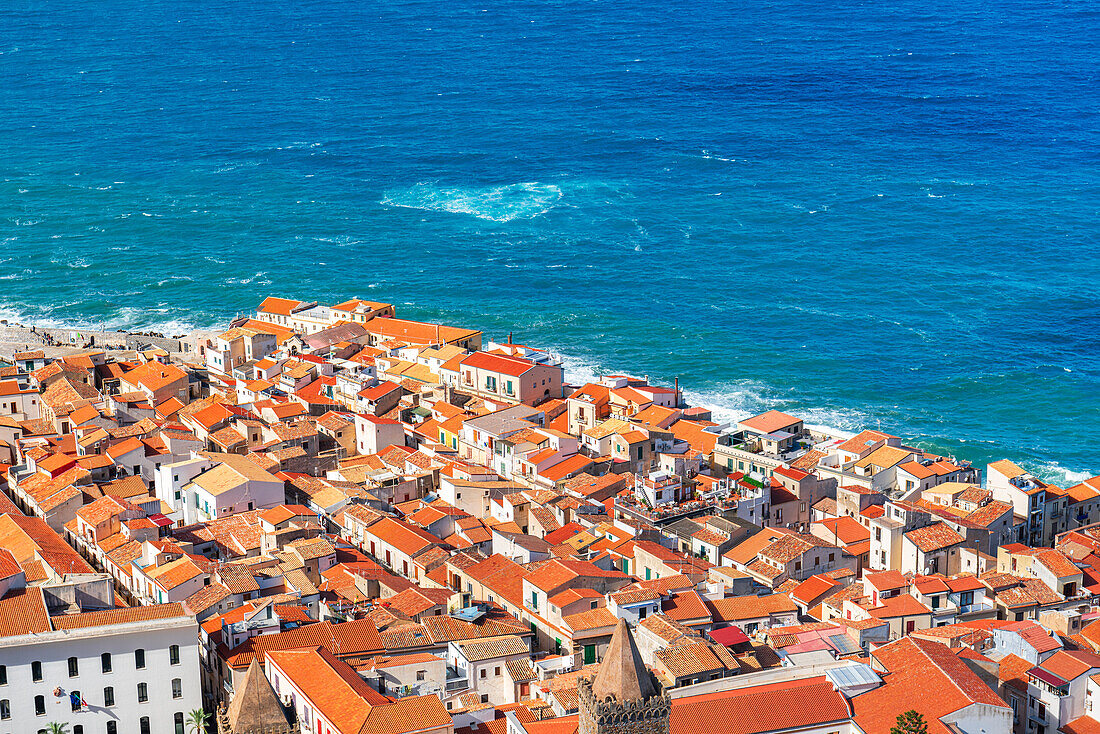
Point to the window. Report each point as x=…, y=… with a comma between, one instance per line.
x=832, y=557
x=177, y=688
x=482, y=673
x=5, y=709
x=108, y=696
x=178, y=721
x=497, y=671
x=112, y=727
x=143, y=692
x=36, y=671
x=75, y=699
x=139, y=658
x=74, y=667
x=105, y=661
x=39, y=705
x=143, y=724
x=174, y=652
x=78, y=729
x=421, y=674
x=3, y=675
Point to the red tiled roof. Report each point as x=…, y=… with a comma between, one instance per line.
x=813, y=588
x=359, y=637
x=503, y=364
x=738, y=608
x=119, y=616
x=23, y=612
x=934, y=537
x=685, y=606
x=1068, y=665
x=769, y=422
x=898, y=606
x=886, y=580
x=791, y=705
x=925, y=676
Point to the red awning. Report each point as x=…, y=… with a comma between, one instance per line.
x=1046, y=677
x=729, y=636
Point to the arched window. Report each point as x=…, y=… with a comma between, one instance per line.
x=143, y=724
x=109, y=696
x=39, y=705
x=5, y=709
x=112, y=727
x=105, y=661
x=178, y=719
x=74, y=667
x=143, y=692
x=139, y=658
x=177, y=688
x=75, y=699
x=78, y=729
x=174, y=654
x=36, y=670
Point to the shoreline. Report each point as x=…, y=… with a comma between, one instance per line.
x=62, y=340
x=578, y=370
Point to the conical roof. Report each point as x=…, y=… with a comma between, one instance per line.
x=255, y=706
x=622, y=673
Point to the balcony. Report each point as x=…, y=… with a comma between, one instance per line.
x=456, y=680
x=976, y=607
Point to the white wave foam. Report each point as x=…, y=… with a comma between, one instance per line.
x=496, y=203
x=77, y=263
x=127, y=318
x=707, y=155
x=731, y=402
x=174, y=278
x=1058, y=474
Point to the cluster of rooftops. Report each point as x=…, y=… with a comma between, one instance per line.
x=447, y=530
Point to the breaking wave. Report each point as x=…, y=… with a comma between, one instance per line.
x=496, y=203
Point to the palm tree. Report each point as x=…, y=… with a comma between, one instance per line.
x=196, y=721
x=54, y=728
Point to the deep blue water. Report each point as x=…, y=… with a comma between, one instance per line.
x=873, y=214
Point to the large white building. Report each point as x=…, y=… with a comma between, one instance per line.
x=119, y=671
x=201, y=489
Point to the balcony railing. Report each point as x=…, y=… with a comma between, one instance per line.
x=975, y=607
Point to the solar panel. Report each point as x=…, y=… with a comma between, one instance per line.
x=853, y=675
x=843, y=644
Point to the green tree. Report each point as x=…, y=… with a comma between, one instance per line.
x=909, y=722
x=196, y=721
x=54, y=728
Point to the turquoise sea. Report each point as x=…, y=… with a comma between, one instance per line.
x=876, y=214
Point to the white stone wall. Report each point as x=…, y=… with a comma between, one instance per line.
x=53, y=650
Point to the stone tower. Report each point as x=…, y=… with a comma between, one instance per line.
x=255, y=709
x=623, y=698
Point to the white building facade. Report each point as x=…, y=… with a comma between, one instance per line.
x=134, y=677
